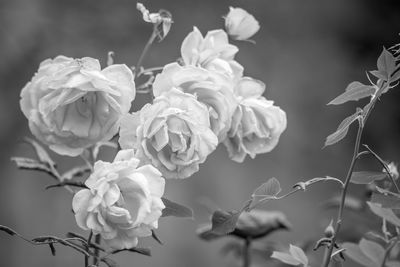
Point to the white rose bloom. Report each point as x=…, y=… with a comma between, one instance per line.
x=122, y=202
x=72, y=104
x=212, y=52
x=173, y=134
x=256, y=124
x=240, y=25
x=212, y=89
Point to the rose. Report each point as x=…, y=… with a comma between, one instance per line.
x=72, y=104
x=212, y=52
x=173, y=134
x=122, y=202
x=256, y=124
x=212, y=89
x=240, y=25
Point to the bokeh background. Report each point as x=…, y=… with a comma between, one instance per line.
x=306, y=52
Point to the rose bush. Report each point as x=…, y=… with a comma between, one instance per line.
x=72, y=104
x=212, y=52
x=256, y=124
x=240, y=25
x=173, y=134
x=122, y=202
x=212, y=89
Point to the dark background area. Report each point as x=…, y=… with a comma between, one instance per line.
x=306, y=53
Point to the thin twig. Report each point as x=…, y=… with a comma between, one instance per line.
x=384, y=165
x=153, y=36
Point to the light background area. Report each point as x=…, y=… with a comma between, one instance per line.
x=306, y=53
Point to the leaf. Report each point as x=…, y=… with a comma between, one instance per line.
x=366, y=177
x=298, y=254
x=52, y=248
x=384, y=213
x=354, y=252
x=143, y=251
x=7, y=230
x=224, y=222
x=342, y=130
x=41, y=153
x=260, y=223
x=386, y=201
x=386, y=63
x=30, y=164
x=155, y=237
x=75, y=172
x=267, y=191
x=175, y=209
x=354, y=92
x=285, y=258
x=372, y=250
x=109, y=262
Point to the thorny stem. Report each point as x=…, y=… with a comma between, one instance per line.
x=356, y=155
x=246, y=252
x=343, y=196
x=145, y=50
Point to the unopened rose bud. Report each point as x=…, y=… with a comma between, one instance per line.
x=329, y=231
x=240, y=25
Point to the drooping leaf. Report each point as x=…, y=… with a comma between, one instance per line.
x=366, y=177
x=109, y=262
x=386, y=201
x=224, y=222
x=386, y=63
x=155, y=237
x=372, y=250
x=298, y=254
x=354, y=91
x=41, y=153
x=143, y=251
x=342, y=129
x=384, y=213
x=52, y=249
x=354, y=252
x=7, y=230
x=260, y=223
x=285, y=258
x=175, y=209
x=30, y=164
x=267, y=191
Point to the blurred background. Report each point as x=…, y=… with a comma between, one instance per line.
x=306, y=53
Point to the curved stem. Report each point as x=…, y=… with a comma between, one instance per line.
x=246, y=252
x=384, y=165
x=145, y=50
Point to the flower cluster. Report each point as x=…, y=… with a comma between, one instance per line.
x=200, y=102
